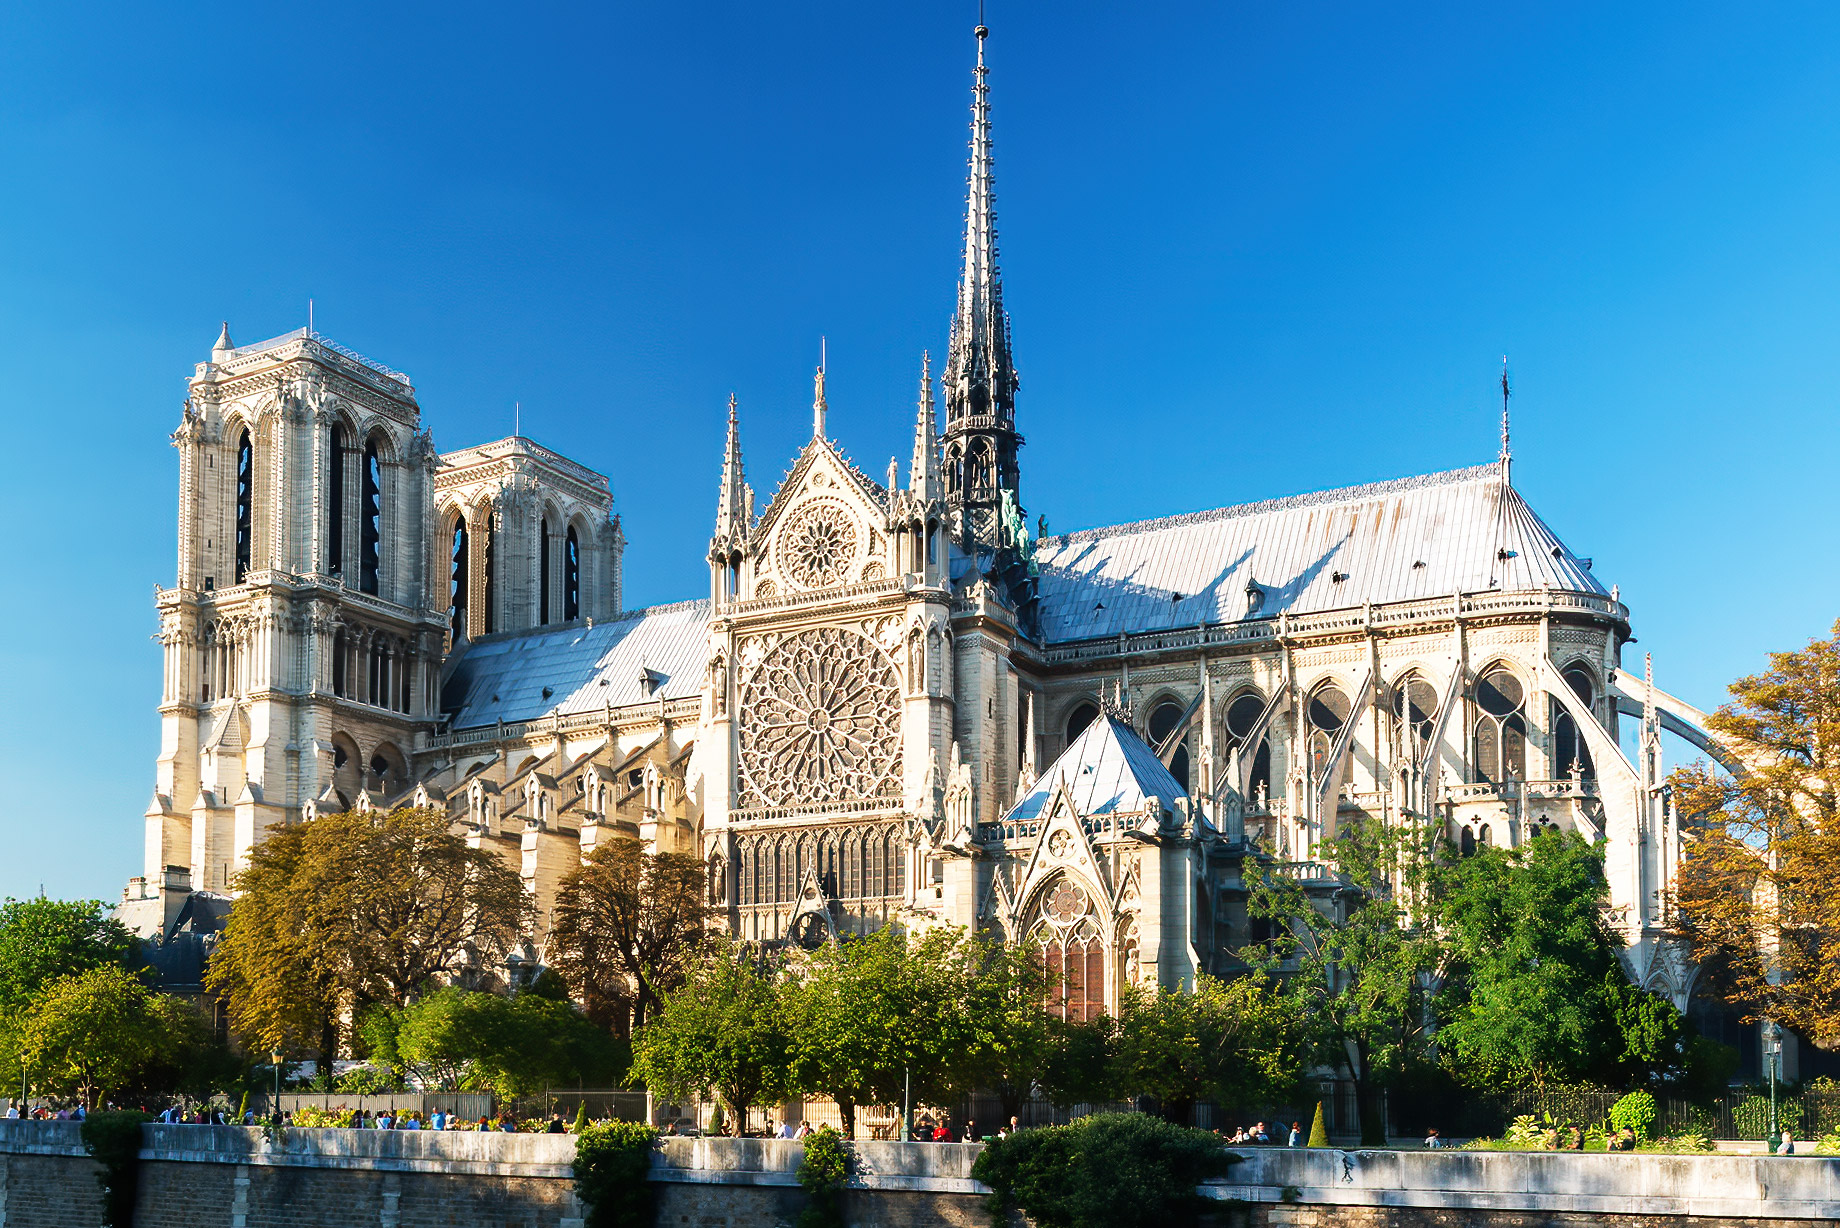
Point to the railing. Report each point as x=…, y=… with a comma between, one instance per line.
x=1028, y=829
x=869, y=805
x=1342, y=621
x=788, y=601
x=1509, y=790
x=565, y=722
x=370, y=365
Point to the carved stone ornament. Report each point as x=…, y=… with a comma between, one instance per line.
x=818, y=545
x=820, y=722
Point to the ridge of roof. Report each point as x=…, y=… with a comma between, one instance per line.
x=1318, y=498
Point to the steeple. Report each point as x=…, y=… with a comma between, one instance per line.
x=1506, y=454
x=732, y=501
x=818, y=407
x=923, y=471
x=980, y=377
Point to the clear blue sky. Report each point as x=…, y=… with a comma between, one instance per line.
x=1249, y=249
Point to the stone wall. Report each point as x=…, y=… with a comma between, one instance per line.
x=212, y=1176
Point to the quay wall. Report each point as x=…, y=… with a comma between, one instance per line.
x=210, y=1176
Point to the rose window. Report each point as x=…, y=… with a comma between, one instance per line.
x=1066, y=903
x=820, y=722
x=818, y=545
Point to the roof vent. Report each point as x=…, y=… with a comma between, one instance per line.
x=1255, y=597
x=1338, y=576
x=548, y=691
x=1418, y=565
x=1504, y=554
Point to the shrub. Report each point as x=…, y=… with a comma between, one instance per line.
x=114, y=1139
x=1111, y=1170
x=1525, y=1134
x=1751, y=1117
x=1636, y=1112
x=612, y=1170
x=581, y=1119
x=822, y=1173
x=316, y=1118
x=1319, y=1133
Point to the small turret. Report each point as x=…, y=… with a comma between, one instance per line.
x=734, y=517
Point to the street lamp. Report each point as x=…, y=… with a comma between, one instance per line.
x=274, y=1110
x=1772, y=1054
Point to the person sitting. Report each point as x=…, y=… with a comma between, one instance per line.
x=556, y=1127
x=971, y=1135
x=804, y=1130
x=942, y=1133
x=1787, y=1146
x=1259, y=1135
x=1433, y=1139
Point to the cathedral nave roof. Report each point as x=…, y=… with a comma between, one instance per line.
x=635, y=658
x=1464, y=530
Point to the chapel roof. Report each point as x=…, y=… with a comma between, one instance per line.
x=638, y=656
x=1108, y=770
x=1463, y=530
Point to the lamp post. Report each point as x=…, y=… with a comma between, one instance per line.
x=274, y=1110
x=1772, y=1054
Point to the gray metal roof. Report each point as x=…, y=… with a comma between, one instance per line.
x=1466, y=530
x=634, y=658
x=1108, y=770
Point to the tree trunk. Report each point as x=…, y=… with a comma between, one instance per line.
x=846, y=1110
x=1367, y=1102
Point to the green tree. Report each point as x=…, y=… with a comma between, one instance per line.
x=45, y=940
x=724, y=1029
x=1018, y=1041
x=1527, y=926
x=465, y=1040
x=353, y=909
x=626, y=923
x=91, y=1033
x=1363, y=964
x=1242, y=1043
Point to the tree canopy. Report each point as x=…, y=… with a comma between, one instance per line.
x=464, y=1040
x=723, y=1029
x=625, y=926
x=43, y=940
x=1756, y=898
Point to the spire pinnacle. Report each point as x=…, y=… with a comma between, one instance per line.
x=818, y=407
x=732, y=512
x=923, y=470
x=1506, y=453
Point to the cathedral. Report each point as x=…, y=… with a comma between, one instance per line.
x=899, y=701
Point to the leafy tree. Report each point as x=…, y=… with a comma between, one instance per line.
x=1363, y=967
x=1019, y=1042
x=626, y=923
x=874, y=1020
x=1080, y=1061
x=1241, y=1043
x=724, y=1029
x=1755, y=897
x=353, y=909
x=464, y=1040
x=45, y=940
x=90, y=1033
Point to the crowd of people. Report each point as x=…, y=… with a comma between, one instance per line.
x=15, y=1110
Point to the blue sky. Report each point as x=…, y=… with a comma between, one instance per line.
x=1249, y=250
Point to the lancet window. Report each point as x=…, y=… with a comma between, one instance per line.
x=1242, y=716
x=1163, y=719
x=1570, y=751
x=335, y=501
x=370, y=563
x=245, y=504
x=456, y=583
x=1415, y=712
x=571, y=577
x=1066, y=933
x=1327, y=711
x=544, y=549
x=1077, y=720
x=1501, y=727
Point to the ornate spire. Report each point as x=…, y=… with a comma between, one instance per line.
x=980, y=377
x=818, y=407
x=923, y=470
x=1506, y=454
x=732, y=503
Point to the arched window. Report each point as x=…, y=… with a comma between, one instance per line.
x=245, y=503
x=370, y=565
x=1072, y=953
x=491, y=577
x=1415, y=710
x=1162, y=723
x=1077, y=721
x=1242, y=714
x=571, y=578
x=456, y=583
x=335, y=502
x=1326, y=713
x=543, y=552
x=1570, y=750
x=1467, y=843
x=1501, y=728
x=339, y=649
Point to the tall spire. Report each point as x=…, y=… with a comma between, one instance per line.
x=980, y=376
x=732, y=502
x=1506, y=453
x=923, y=470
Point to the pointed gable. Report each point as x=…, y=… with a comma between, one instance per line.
x=1107, y=770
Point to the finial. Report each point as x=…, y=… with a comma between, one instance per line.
x=732, y=420
x=1506, y=454
x=224, y=344
x=817, y=396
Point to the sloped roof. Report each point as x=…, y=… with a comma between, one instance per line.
x=585, y=668
x=1465, y=530
x=1108, y=770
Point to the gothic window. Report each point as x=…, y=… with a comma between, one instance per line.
x=1163, y=720
x=1415, y=710
x=819, y=545
x=338, y=663
x=245, y=503
x=1242, y=715
x=1072, y=952
x=1326, y=713
x=820, y=722
x=978, y=468
x=371, y=528
x=571, y=577
x=1077, y=721
x=1501, y=727
x=1569, y=747
x=335, y=502
x=954, y=476
x=379, y=674
x=1467, y=843
x=543, y=552
x=932, y=543
x=456, y=582
x=491, y=570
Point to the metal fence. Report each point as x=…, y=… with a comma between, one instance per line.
x=468, y=1106
x=1730, y=1115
